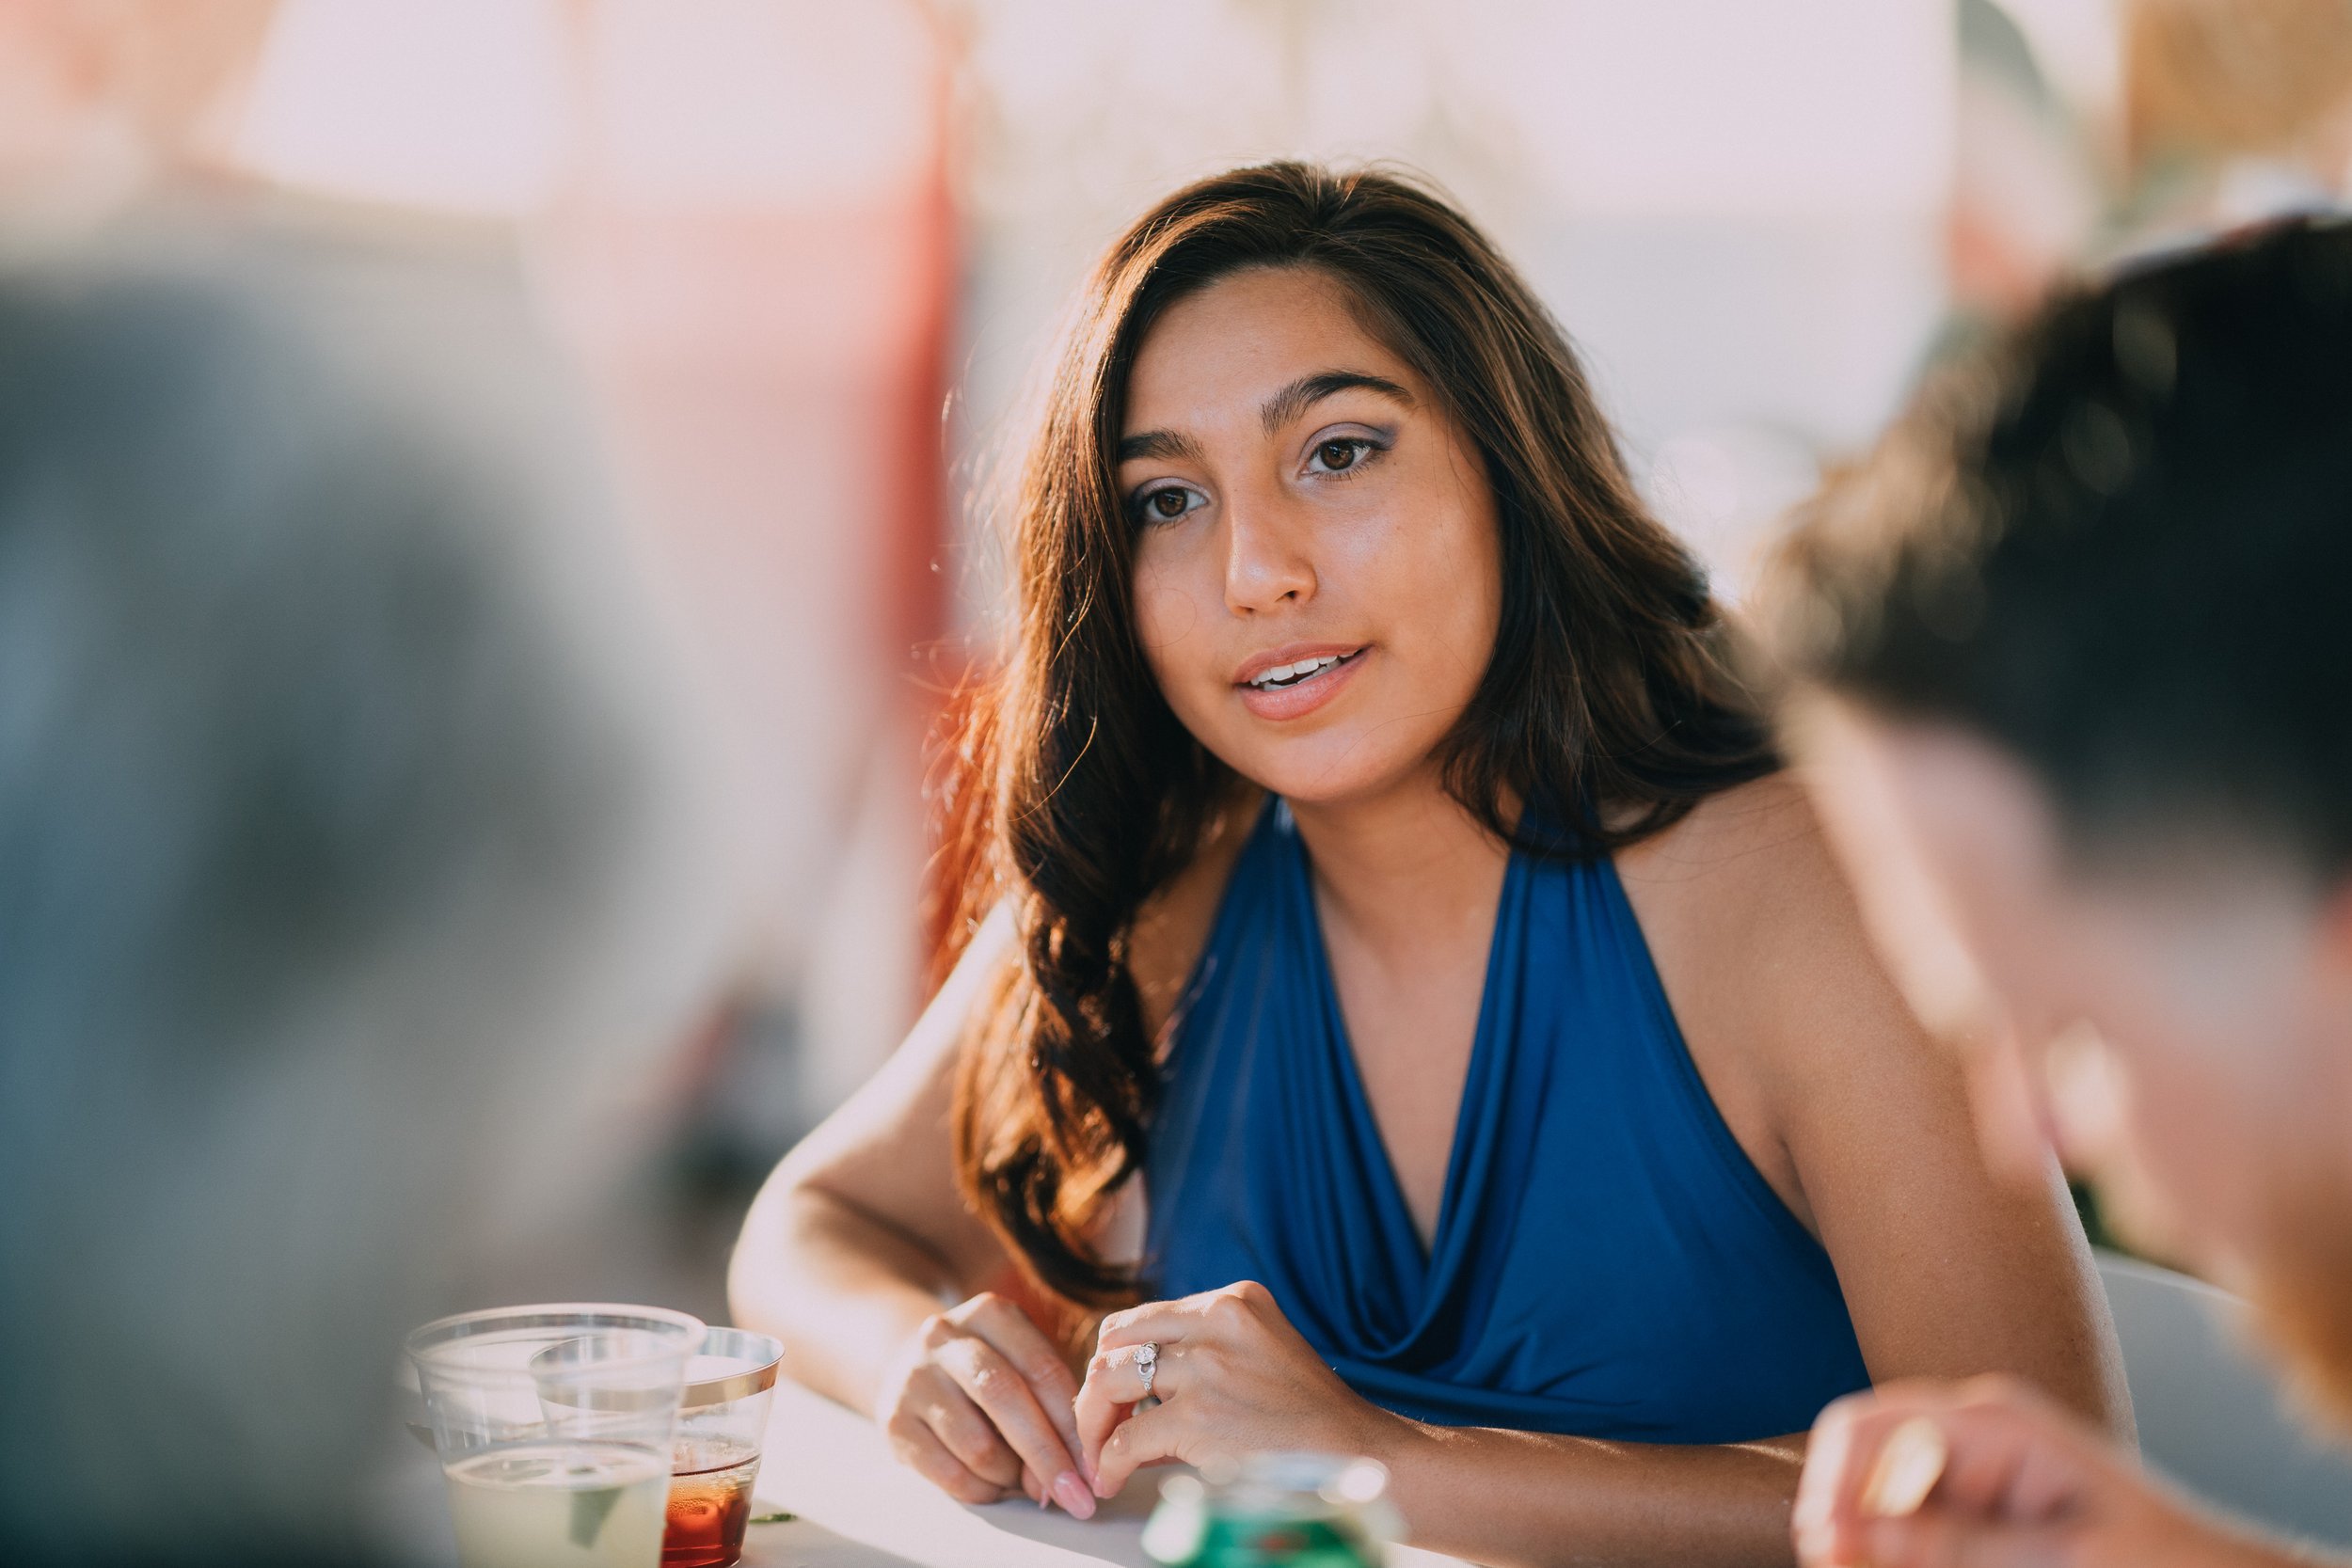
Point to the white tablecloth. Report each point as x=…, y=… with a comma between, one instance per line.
x=859, y=1508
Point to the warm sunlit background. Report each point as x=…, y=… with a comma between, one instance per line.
x=807, y=255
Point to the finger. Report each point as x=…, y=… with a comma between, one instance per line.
x=1162, y=1433
x=1117, y=1375
x=1003, y=1396
x=1848, y=1450
x=1233, y=1307
x=2011, y=1457
x=1828, y=1457
x=1113, y=1387
x=1847, y=1453
x=1020, y=1341
x=1162, y=1323
x=919, y=1449
x=964, y=1430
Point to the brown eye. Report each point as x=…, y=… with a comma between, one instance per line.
x=1166, y=504
x=1338, y=455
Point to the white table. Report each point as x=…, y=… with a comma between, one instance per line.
x=859, y=1508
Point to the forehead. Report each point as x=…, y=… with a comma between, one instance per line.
x=1245, y=335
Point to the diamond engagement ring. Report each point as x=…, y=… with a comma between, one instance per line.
x=1147, y=1363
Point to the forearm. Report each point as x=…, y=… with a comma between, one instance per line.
x=844, y=1291
x=1522, y=1500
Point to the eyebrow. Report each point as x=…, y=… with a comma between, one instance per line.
x=1167, y=446
x=1171, y=446
x=1307, y=391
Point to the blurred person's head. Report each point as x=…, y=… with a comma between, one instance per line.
x=1322, y=503
x=339, y=860
x=2074, y=683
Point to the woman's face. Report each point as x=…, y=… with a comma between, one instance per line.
x=1317, y=573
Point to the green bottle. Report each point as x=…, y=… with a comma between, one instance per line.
x=1275, y=1511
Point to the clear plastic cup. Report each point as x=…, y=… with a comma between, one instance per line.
x=715, y=1459
x=553, y=1425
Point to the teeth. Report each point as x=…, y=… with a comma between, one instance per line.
x=1290, y=674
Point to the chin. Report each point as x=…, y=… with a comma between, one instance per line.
x=1320, y=778
x=1330, y=767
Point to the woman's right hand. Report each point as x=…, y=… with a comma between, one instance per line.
x=981, y=1403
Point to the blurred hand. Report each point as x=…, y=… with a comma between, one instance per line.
x=2025, y=1484
x=1232, y=1377
x=980, y=1403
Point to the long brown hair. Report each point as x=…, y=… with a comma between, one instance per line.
x=1609, y=698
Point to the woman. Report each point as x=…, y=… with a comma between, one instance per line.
x=1402, y=972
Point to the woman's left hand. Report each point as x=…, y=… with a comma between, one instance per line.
x=1232, y=1377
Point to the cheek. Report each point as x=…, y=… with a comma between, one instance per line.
x=1438, y=582
x=2196, y=1119
x=2181, y=1179
x=1167, y=605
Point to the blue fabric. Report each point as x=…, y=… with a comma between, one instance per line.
x=1607, y=1262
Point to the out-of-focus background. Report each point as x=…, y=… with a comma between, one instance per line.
x=806, y=258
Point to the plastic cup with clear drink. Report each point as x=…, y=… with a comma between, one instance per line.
x=729, y=1385
x=553, y=1425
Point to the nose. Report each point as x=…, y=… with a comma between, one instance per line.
x=1269, y=560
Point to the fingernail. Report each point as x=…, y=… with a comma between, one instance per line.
x=1909, y=1464
x=1073, y=1495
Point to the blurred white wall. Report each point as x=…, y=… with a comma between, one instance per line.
x=735, y=213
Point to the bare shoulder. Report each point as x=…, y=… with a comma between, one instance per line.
x=1756, y=841
x=1759, y=940
x=1173, y=926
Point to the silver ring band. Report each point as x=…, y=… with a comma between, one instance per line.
x=1147, y=1364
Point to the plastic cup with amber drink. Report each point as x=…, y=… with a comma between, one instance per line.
x=715, y=1456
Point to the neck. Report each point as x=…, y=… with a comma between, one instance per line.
x=1395, y=865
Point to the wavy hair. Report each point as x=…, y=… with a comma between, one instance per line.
x=1073, y=793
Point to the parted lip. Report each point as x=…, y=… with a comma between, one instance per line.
x=1291, y=652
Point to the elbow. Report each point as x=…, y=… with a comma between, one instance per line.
x=761, y=1269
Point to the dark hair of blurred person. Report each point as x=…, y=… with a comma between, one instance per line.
x=340, y=858
x=2074, y=679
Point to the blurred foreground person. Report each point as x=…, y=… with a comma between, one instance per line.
x=2076, y=693
x=345, y=885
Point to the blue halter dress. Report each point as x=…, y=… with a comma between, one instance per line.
x=1607, y=1262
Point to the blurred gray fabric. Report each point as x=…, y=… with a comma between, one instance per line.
x=2213, y=1416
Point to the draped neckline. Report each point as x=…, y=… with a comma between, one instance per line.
x=1448, y=1244
x=1604, y=1257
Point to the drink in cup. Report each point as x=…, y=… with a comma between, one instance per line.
x=553, y=1425
x=1275, y=1511
x=715, y=1459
